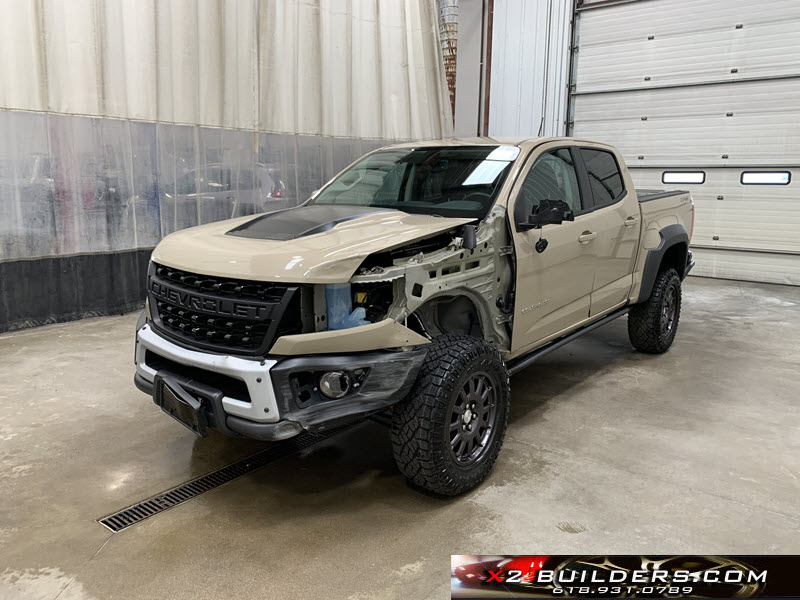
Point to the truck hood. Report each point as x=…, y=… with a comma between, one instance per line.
x=309, y=244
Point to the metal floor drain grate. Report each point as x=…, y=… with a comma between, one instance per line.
x=191, y=489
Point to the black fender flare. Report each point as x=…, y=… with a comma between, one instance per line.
x=670, y=236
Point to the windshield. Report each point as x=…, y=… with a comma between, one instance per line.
x=447, y=181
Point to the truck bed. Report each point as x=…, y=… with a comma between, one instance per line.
x=647, y=195
x=661, y=208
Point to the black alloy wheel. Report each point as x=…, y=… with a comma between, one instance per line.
x=472, y=418
x=669, y=309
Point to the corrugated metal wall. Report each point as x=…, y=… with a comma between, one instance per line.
x=529, y=67
x=124, y=120
x=705, y=86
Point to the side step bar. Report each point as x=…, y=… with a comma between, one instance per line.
x=528, y=359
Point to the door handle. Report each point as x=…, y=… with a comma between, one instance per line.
x=631, y=221
x=587, y=236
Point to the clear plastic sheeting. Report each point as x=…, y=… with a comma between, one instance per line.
x=86, y=185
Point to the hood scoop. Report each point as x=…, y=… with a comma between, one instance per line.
x=302, y=221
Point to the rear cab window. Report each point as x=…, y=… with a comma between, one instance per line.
x=605, y=179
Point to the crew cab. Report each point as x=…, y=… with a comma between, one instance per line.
x=411, y=285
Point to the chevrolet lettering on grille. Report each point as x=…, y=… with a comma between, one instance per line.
x=206, y=304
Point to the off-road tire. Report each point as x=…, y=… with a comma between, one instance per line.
x=648, y=322
x=422, y=423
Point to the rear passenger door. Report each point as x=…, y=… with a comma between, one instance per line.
x=614, y=226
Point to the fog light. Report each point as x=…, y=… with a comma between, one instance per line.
x=334, y=384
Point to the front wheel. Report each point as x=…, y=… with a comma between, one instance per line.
x=652, y=325
x=447, y=433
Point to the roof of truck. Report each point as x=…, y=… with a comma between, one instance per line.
x=471, y=141
x=488, y=141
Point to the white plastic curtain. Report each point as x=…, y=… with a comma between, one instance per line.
x=347, y=68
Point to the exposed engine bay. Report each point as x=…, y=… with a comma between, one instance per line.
x=446, y=283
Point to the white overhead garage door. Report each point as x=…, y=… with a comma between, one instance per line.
x=703, y=96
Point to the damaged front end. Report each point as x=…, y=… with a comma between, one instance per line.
x=370, y=333
x=406, y=296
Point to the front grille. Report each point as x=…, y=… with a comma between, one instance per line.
x=261, y=290
x=221, y=314
x=220, y=331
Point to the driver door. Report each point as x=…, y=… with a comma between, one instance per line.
x=554, y=284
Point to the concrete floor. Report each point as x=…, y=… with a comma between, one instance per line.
x=608, y=450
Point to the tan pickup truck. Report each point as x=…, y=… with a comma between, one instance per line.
x=411, y=285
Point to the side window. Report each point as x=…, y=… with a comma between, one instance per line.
x=217, y=179
x=186, y=183
x=264, y=180
x=245, y=179
x=552, y=177
x=605, y=179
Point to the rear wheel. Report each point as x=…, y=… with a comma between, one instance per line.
x=652, y=325
x=447, y=433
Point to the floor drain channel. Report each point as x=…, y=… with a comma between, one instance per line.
x=191, y=489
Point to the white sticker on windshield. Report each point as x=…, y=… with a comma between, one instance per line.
x=507, y=153
x=486, y=172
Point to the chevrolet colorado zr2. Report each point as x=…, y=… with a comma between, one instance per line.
x=412, y=284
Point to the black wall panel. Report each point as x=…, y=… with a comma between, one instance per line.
x=64, y=288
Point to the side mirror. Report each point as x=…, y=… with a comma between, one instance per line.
x=549, y=212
